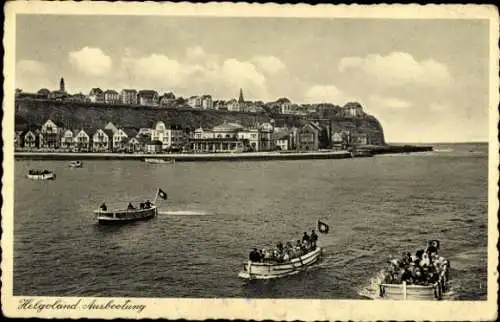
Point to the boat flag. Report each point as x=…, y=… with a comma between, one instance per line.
x=162, y=194
x=323, y=227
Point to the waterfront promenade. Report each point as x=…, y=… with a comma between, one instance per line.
x=184, y=157
x=191, y=157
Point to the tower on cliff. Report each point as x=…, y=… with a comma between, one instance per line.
x=61, y=85
x=241, y=99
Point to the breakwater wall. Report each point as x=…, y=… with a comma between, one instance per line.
x=385, y=149
x=184, y=157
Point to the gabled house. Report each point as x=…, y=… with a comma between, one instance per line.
x=30, y=139
x=81, y=141
x=102, y=140
x=50, y=134
x=110, y=126
x=308, y=137
x=136, y=144
x=281, y=140
x=67, y=139
x=120, y=139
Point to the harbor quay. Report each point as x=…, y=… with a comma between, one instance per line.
x=185, y=157
x=234, y=156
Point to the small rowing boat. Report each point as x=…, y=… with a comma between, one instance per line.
x=159, y=161
x=146, y=210
x=41, y=175
x=75, y=164
x=415, y=288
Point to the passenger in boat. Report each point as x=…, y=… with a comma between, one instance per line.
x=130, y=206
x=425, y=260
x=104, y=207
x=147, y=204
x=141, y=205
x=406, y=259
x=255, y=255
x=314, y=239
x=305, y=237
x=432, y=248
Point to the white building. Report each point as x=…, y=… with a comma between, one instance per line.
x=206, y=102
x=194, y=101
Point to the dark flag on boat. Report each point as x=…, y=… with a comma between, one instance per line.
x=162, y=194
x=322, y=227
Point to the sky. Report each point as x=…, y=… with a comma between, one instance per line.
x=425, y=80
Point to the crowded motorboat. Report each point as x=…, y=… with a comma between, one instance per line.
x=422, y=275
x=285, y=252
x=41, y=175
x=144, y=210
x=284, y=259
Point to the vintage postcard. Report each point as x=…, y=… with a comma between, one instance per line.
x=250, y=161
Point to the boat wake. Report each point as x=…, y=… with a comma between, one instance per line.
x=371, y=290
x=183, y=213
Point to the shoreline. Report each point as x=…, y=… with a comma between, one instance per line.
x=194, y=157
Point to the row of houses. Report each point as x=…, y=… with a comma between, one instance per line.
x=55, y=136
x=148, y=97
x=226, y=137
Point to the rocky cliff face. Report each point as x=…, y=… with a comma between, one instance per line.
x=33, y=113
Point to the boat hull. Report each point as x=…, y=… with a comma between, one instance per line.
x=258, y=270
x=124, y=216
x=159, y=161
x=40, y=177
x=403, y=291
x=75, y=165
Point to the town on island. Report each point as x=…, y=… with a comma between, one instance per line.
x=136, y=123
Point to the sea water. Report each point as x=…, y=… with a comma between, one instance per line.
x=217, y=211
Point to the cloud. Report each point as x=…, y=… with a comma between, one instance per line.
x=397, y=69
x=32, y=67
x=269, y=64
x=380, y=102
x=90, y=61
x=195, y=53
x=156, y=67
x=324, y=94
x=31, y=75
x=242, y=72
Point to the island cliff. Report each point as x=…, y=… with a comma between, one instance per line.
x=32, y=113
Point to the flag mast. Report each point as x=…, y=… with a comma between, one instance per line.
x=156, y=197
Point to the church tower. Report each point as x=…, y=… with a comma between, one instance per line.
x=241, y=99
x=61, y=85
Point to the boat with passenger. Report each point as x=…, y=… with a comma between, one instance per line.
x=146, y=210
x=38, y=175
x=283, y=260
x=423, y=276
x=75, y=164
x=159, y=161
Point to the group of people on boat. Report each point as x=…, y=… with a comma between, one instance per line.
x=422, y=268
x=143, y=205
x=39, y=172
x=283, y=253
